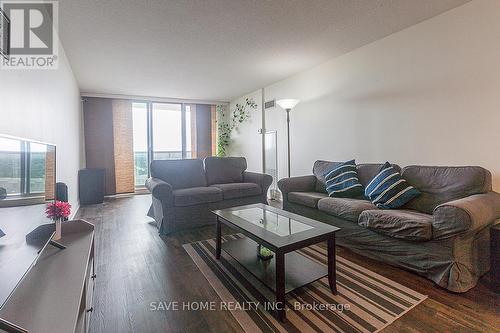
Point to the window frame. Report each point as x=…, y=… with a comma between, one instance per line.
x=150, y=141
x=25, y=197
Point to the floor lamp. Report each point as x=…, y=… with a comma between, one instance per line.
x=288, y=104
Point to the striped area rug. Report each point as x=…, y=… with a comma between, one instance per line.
x=366, y=301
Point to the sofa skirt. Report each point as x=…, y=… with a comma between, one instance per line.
x=172, y=219
x=455, y=263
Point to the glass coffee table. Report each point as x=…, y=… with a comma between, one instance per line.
x=283, y=233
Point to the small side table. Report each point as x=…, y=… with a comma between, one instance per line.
x=495, y=257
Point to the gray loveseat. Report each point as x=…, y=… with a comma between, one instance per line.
x=443, y=234
x=184, y=192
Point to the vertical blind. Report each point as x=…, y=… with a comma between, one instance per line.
x=123, y=148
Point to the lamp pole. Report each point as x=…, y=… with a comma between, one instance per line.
x=288, y=136
x=288, y=105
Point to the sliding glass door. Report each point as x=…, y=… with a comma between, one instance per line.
x=162, y=131
x=140, y=135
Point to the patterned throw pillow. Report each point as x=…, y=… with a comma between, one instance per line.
x=343, y=182
x=388, y=189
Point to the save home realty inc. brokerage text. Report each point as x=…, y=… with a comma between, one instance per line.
x=245, y=306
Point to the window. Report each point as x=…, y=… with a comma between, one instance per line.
x=162, y=131
x=10, y=165
x=37, y=159
x=27, y=169
x=140, y=135
x=167, y=131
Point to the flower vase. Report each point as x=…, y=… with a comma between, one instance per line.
x=57, y=235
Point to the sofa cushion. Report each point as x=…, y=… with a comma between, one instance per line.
x=238, y=190
x=367, y=171
x=398, y=223
x=320, y=169
x=442, y=184
x=342, y=181
x=346, y=208
x=223, y=170
x=196, y=196
x=179, y=173
x=309, y=199
x=388, y=189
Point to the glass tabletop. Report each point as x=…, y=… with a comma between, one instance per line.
x=271, y=221
x=275, y=227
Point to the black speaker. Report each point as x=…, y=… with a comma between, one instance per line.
x=61, y=192
x=91, y=186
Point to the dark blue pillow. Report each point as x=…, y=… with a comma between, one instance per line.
x=343, y=182
x=388, y=189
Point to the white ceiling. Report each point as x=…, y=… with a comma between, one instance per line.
x=219, y=49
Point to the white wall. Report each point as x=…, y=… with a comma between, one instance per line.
x=44, y=105
x=429, y=94
x=247, y=141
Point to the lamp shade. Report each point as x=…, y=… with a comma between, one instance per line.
x=288, y=103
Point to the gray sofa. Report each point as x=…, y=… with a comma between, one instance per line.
x=184, y=192
x=443, y=234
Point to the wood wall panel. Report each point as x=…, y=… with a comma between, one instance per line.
x=123, y=146
x=98, y=129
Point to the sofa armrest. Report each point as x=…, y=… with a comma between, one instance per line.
x=296, y=184
x=261, y=179
x=160, y=190
x=470, y=214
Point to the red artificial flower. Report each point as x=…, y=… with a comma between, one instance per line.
x=58, y=210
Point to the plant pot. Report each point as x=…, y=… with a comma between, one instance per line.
x=57, y=235
x=264, y=253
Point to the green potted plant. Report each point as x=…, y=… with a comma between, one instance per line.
x=225, y=127
x=264, y=253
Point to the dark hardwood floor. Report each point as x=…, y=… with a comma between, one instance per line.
x=135, y=266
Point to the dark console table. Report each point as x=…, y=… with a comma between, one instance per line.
x=56, y=294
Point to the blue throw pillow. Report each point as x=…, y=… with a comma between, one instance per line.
x=388, y=189
x=343, y=182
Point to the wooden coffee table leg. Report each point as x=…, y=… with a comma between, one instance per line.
x=218, y=240
x=332, y=274
x=280, y=286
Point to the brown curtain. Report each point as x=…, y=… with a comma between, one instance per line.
x=109, y=142
x=98, y=128
x=204, y=130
